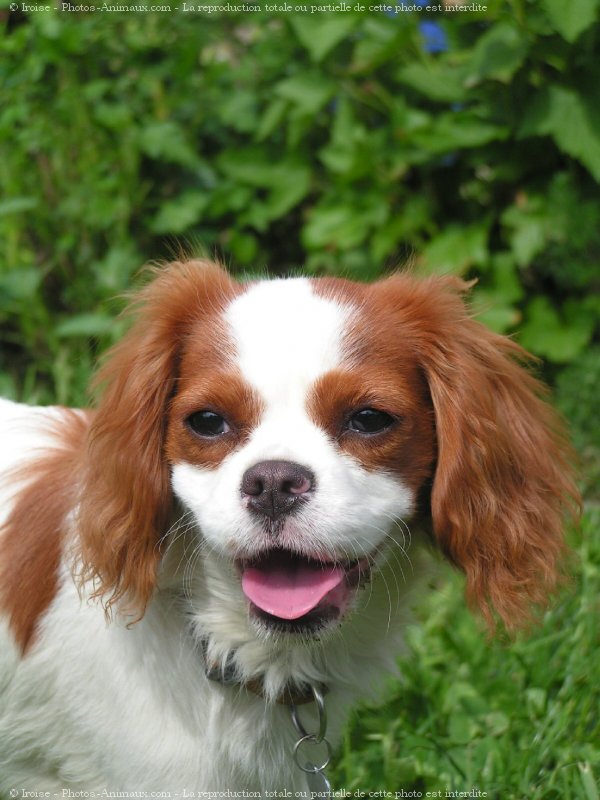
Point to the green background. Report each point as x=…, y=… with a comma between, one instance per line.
x=338, y=143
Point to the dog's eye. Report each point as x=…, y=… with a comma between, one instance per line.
x=369, y=420
x=208, y=423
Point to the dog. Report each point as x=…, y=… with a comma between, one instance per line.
x=235, y=531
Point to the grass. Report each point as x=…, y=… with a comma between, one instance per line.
x=516, y=720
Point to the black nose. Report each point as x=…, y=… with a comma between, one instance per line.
x=274, y=488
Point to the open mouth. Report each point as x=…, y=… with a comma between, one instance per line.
x=293, y=593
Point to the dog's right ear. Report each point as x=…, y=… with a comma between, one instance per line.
x=504, y=484
x=125, y=499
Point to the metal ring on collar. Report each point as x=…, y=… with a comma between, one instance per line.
x=320, y=703
x=308, y=767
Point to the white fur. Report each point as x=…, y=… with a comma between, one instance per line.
x=26, y=432
x=96, y=705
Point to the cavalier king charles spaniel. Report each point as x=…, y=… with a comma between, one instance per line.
x=238, y=523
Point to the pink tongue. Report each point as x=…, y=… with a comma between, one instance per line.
x=289, y=588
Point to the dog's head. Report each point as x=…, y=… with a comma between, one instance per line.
x=291, y=425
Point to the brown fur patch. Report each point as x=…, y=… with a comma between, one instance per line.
x=222, y=392
x=31, y=540
x=407, y=448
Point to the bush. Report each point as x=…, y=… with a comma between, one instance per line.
x=340, y=144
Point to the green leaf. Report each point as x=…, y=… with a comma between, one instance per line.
x=114, y=271
x=506, y=279
x=176, y=216
x=250, y=165
x=289, y=185
x=572, y=119
x=346, y=150
x=493, y=302
x=238, y=111
x=557, y=337
x=319, y=35
x=499, y=318
x=528, y=226
x=456, y=249
x=399, y=228
x=8, y=387
x=166, y=140
x=378, y=43
x=271, y=119
x=589, y=783
x=308, y=92
x=243, y=246
x=436, y=81
x=497, y=723
x=497, y=55
x=343, y=227
x=462, y=727
x=528, y=240
x=458, y=130
x=20, y=284
x=287, y=181
x=573, y=17
x=536, y=699
x=229, y=196
x=84, y=325
x=115, y=116
x=16, y=205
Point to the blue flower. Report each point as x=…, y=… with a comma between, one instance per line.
x=434, y=37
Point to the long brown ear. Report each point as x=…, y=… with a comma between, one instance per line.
x=125, y=499
x=503, y=480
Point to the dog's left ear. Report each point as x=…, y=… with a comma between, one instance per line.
x=503, y=482
x=125, y=499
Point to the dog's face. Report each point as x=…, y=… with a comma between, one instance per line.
x=294, y=424
x=298, y=443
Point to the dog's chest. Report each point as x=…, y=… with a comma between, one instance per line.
x=122, y=718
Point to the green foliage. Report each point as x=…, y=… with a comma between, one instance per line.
x=577, y=393
x=514, y=720
x=335, y=143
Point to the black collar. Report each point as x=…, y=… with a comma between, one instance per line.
x=293, y=694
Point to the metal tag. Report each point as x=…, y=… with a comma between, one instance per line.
x=318, y=785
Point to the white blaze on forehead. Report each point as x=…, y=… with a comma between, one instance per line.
x=286, y=337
